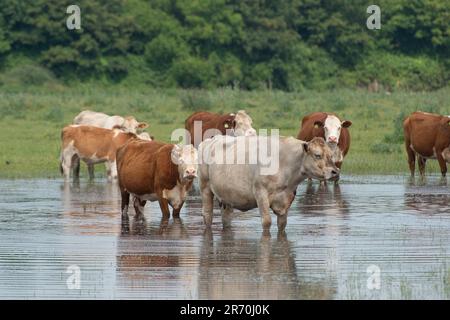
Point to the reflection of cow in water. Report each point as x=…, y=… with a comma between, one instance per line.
x=158, y=268
x=240, y=268
x=427, y=200
x=323, y=200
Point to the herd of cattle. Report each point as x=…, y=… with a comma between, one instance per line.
x=151, y=170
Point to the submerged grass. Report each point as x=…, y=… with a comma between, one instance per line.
x=32, y=119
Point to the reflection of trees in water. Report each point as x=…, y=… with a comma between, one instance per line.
x=323, y=199
x=238, y=268
x=155, y=261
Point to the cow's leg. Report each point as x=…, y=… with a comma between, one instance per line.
x=66, y=163
x=91, y=171
x=421, y=162
x=411, y=158
x=338, y=165
x=207, y=204
x=124, y=205
x=164, y=205
x=111, y=170
x=76, y=167
x=139, y=208
x=227, y=215
x=442, y=164
x=176, y=212
x=262, y=200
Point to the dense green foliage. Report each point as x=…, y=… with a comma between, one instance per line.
x=286, y=44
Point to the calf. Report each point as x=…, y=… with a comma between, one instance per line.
x=92, y=145
x=332, y=129
x=102, y=120
x=155, y=171
x=244, y=187
x=239, y=124
x=427, y=135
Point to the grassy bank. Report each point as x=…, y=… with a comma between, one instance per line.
x=31, y=119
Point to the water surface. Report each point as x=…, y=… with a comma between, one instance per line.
x=334, y=234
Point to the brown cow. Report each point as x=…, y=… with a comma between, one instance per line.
x=155, y=171
x=92, y=145
x=238, y=124
x=428, y=136
x=331, y=128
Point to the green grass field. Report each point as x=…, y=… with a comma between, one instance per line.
x=32, y=118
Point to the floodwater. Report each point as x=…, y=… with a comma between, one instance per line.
x=373, y=237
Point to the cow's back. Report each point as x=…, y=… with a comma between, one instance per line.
x=91, y=118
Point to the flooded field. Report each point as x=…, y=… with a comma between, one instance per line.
x=373, y=237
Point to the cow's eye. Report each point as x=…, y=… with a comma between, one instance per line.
x=318, y=156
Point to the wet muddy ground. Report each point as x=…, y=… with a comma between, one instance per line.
x=340, y=243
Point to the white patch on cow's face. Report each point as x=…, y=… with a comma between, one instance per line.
x=186, y=158
x=332, y=128
x=243, y=125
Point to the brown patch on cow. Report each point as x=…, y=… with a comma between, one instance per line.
x=210, y=120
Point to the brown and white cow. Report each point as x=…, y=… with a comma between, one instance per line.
x=155, y=171
x=92, y=145
x=102, y=120
x=237, y=124
x=427, y=135
x=331, y=128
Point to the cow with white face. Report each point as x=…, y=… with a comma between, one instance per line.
x=332, y=129
x=242, y=124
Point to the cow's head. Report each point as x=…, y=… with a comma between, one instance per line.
x=242, y=124
x=332, y=128
x=318, y=162
x=186, y=158
x=132, y=125
x=227, y=123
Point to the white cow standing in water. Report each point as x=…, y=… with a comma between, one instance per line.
x=246, y=185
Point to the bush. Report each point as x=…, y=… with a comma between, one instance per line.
x=27, y=75
x=401, y=72
x=384, y=148
x=192, y=72
x=196, y=100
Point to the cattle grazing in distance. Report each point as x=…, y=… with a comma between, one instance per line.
x=92, y=145
x=102, y=120
x=243, y=186
x=155, y=171
x=427, y=135
x=237, y=124
x=332, y=129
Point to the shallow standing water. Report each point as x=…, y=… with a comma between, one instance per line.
x=340, y=243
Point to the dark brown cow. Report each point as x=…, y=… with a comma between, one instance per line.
x=92, y=145
x=331, y=128
x=155, y=171
x=428, y=136
x=238, y=124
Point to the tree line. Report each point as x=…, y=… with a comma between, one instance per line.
x=285, y=44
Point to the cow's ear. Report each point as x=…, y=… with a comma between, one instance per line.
x=346, y=123
x=142, y=125
x=305, y=146
x=318, y=124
